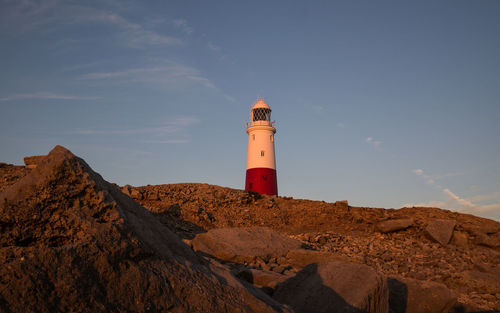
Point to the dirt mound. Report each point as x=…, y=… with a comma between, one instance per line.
x=71, y=242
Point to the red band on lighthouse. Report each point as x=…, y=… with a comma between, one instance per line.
x=262, y=180
x=261, y=163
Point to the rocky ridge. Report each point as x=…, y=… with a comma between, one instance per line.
x=73, y=242
x=467, y=262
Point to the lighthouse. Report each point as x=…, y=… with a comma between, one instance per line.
x=261, y=163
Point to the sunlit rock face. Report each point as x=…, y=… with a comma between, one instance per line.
x=72, y=242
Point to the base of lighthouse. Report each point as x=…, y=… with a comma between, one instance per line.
x=262, y=180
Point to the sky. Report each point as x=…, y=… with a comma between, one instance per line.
x=381, y=103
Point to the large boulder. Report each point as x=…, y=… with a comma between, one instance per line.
x=394, y=225
x=72, y=242
x=335, y=287
x=244, y=245
x=408, y=295
x=440, y=230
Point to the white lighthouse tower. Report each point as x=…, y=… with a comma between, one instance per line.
x=261, y=163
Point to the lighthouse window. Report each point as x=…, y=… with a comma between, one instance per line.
x=262, y=153
x=272, y=138
x=261, y=114
x=253, y=136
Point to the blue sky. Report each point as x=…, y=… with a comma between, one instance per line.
x=382, y=103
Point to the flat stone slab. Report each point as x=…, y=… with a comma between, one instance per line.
x=334, y=287
x=440, y=230
x=394, y=225
x=244, y=244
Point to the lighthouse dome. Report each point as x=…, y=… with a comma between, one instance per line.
x=260, y=112
x=260, y=104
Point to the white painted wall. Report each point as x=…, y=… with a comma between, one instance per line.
x=261, y=138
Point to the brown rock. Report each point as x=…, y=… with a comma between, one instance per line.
x=459, y=239
x=342, y=204
x=33, y=161
x=440, y=230
x=262, y=278
x=488, y=281
x=72, y=242
x=244, y=244
x=127, y=189
x=394, y=225
x=416, y=296
x=487, y=241
x=335, y=287
x=301, y=257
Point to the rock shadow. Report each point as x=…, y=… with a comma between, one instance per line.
x=398, y=295
x=306, y=293
x=183, y=228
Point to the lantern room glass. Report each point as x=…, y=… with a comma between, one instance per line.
x=261, y=114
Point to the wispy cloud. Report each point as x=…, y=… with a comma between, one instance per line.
x=183, y=25
x=340, y=125
x=78, y=67
x=48, y=15
x=429, y=179
x=375, y=143
x=432, y=204
x=486, y=197
x=86, y=148
x=454, y=201
x=213, y=47
x=488, y=207
x=134, y=33
x=217, y=51
x=460, y=201
x=170, y=74
x=170, y=141
x=45, y=95
x=418, y=172
x=25, y=15
x=172, y=131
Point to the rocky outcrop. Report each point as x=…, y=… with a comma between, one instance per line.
x=10, y=174
x=71, y=242
x=335, y=287
x=394, y=225
x=440, y=230
x=33, y=161
x=244, y=245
